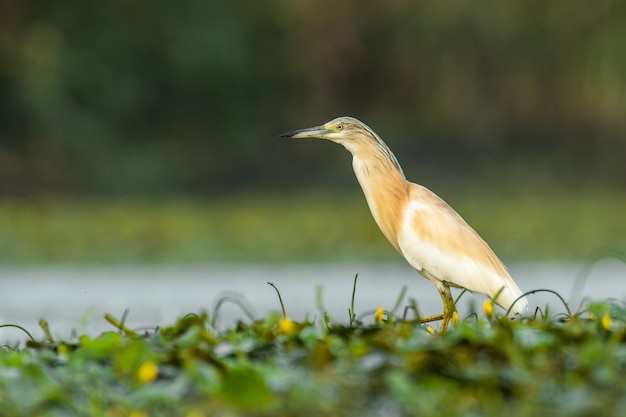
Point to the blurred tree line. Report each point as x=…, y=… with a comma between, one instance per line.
x=150, y=97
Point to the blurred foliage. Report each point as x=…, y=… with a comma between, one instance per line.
x=310, y=227
x=153, y=97
x=530, y=366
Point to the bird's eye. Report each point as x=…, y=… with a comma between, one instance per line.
x=339, y=127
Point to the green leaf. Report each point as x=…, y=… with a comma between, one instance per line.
x=246, y=388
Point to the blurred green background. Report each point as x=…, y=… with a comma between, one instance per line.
x=146, y=131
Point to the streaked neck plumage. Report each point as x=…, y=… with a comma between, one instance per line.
x=383, y=183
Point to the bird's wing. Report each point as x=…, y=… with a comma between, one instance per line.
x=435, y=239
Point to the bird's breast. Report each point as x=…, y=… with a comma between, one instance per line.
x=386, y=197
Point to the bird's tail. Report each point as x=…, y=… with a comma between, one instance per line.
x=510, y=297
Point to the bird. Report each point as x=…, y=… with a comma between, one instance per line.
x=432, y=237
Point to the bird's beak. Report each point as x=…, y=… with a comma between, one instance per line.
x=310, y=132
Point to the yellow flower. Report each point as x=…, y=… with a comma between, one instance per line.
x=455, y=319
x=63, y=350
x=606, y=321
x=378, y=315
x=285, y=326
x=592, y=316
x=430, y=330
x=488, y=308
x=195, y=413
x=147, y=372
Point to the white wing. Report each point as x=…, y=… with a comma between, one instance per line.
x=436, y=241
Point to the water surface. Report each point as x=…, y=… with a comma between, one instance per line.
x=76, y=298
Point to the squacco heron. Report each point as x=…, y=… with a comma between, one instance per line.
x=432, y=237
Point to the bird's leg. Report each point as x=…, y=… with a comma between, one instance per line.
x=448, y=307
x=448, y=303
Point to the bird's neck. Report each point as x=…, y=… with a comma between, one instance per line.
x=384, y=186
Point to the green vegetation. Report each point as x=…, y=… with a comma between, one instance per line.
x=486, y=366
x=289, y=229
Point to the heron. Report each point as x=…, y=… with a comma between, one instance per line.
x=432, y=237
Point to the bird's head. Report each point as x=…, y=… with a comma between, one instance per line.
x=346, y=131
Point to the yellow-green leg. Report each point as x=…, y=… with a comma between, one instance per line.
x=428, y=319
x=448, y=309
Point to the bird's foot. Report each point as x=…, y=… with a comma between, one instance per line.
x=446, y=320
x=429, y=319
